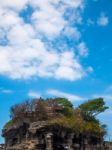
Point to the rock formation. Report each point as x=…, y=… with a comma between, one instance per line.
x=54, y=124
x=2, y=147
x=41, y=136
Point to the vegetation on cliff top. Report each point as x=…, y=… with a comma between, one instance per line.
x=60, y=111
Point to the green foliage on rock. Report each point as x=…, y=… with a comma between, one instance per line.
x=60, y=111
x=8, y=124
x=64, y=102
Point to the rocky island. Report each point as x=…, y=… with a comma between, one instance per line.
x=54, y=124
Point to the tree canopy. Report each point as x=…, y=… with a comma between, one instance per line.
x=92, y=108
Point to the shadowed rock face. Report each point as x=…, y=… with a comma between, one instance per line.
x=1, y=146
x=41, y=136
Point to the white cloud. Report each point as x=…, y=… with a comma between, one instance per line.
x=16, y=5
x=74, y=3
x=82, y=49
x=107, y=97
x=90, y=22
x=72, y=33
x=69, y=68
x=28, y=62
x=90, y=69
x=2, y=35
x=49, y=18
x=34, y=94
x=9, y=19
x=57, y=93
x=27, y=52
x=103, y=20
x=6, y=91
x=49, y=22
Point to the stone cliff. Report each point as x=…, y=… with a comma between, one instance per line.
x=42, y=136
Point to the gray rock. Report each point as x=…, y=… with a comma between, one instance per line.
x=42, y=136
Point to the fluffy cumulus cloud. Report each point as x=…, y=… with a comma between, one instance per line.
x=27, y=48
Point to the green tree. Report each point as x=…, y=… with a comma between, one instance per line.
x=63, y=102
x=92, y=108
x=66, y=106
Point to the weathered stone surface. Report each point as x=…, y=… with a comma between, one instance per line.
x=42, y=136
x=2, y=147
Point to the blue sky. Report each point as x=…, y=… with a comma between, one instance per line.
x=55, y=48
